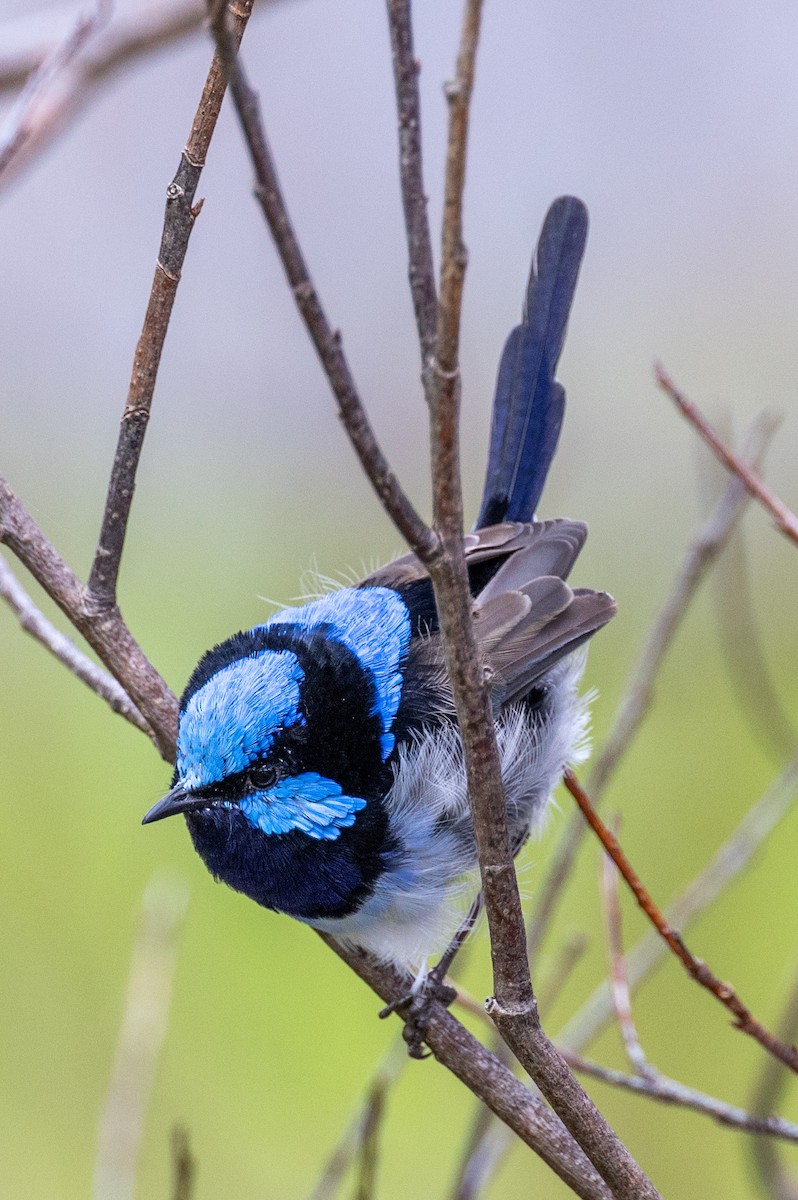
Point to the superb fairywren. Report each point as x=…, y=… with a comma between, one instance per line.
x=319, y=764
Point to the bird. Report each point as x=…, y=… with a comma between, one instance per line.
x=319, y=764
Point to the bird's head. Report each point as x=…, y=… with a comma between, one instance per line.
x=284, y=736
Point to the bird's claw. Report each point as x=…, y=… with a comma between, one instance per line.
x=416, y=1008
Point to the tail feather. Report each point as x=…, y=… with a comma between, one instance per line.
x=528, y=406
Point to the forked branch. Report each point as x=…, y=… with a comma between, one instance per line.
x=744, y=1019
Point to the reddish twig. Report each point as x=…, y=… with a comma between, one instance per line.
x=638, y=697
x=744, y=1019
x=785, y=520
x=181, y=213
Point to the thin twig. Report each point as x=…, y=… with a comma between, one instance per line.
x=326, y=340
x=619, y=982
x=36, y=624
x=597, y=1011
x=638, y=696
x=786, y=521
x=414, y=199
x=38, y=105
x=387, y=1072
x=744, y=1020
x=106, y=633
x=141, y=1035
x=181, y=213
x=26, y=43
x=184, y=1165
x=669, y=1091
x=731, y=859
x=776, y=1181
x=741, y=641
x=369, y=1148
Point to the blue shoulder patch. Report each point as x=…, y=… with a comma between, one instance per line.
x=309, y=802
x=374, y=624
x=232, y=719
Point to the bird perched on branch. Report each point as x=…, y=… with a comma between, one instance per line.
x=319, y=764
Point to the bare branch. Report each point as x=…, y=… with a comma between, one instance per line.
x=457, y=1050
x=326, y=341
x=730, y=860
x=369, y=1149
x=25, y=44
x=744, y=1020
x=786, y=521
x=140, y=1038
x=106, y=632
x=414, y=199
x=777, y=1182
x=36, y=624
x=38, y=105
x=619, y=982
x=668, y=1091
x=181, y=213
x=701, y=554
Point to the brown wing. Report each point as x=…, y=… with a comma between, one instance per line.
x=527, y=616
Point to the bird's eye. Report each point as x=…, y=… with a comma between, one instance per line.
x=262, y=776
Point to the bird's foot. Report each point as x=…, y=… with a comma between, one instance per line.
x=416, y=1008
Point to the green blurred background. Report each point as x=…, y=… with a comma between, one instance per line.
x=677, y=126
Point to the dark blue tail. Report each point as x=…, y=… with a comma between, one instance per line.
x=529, y=403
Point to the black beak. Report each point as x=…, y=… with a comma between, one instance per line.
x=174, y=802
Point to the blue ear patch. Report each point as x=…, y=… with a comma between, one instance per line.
x=310, y=803
x=374, y=624
x=232, y=719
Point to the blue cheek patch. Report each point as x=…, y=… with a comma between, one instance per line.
x=233, y=718
x=374, y=624
x=310, y=803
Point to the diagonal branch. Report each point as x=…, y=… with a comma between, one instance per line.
x=733, y=857
x=181, y=213
x=786, y=521
x=744, y=1019
x=326, y=340
x=106, y=632
x=492, y=1142
x=414, y=199
x=701, y=555
x=669, y=1091
x=491, y=1081
x=37, y=108
x=36, y=624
